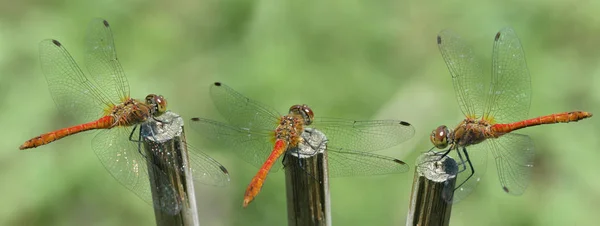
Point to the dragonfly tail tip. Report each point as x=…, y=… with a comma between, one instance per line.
x=247, y=201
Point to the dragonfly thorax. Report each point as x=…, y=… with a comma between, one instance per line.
x=470, y=132
x=290, y=128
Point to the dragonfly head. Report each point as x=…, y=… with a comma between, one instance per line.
x=304, y=111
x=439, y=137
x=158, y=102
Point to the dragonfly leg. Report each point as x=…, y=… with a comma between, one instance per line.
x=158, y=120
x=138, y=141
x=303, y=167
x=283, y=161
x=317, y=147
x=297, y=155
x=445, y=153
x=462, y=162
x=131, y=135
x=470, y=165
x=163, y=121
x=315, y=152
x=442, y=154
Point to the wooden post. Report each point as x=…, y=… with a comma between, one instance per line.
x=432, y=190
x=171, y=182
x=307, y=181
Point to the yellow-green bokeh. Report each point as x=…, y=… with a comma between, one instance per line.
x=345, y=58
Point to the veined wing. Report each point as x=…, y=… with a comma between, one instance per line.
x=241, y=111
x=478, y=156
x=468, y=79
x=205, y=169
x=123, y=161
x=74, y=94
x=102, y=63
x=343, y=162
x=514, y=155
x=364, y=136
x=510, y=93
x=253, y=146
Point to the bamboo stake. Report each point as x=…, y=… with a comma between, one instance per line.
x=307, y=182
x=170, y=176
x=433, y=187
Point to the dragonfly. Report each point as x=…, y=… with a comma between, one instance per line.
x=260, y=135
x=101, y=101
x=492, y=113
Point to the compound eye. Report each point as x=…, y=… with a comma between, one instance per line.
x=303, y=110
x=150, y=99
x=161, y=104
x=439, y=137
x=308, y=114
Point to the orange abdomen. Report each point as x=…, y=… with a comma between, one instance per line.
x=564, y=117
x=102, y=123
x=258, y=180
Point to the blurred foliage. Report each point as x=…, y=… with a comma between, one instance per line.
x=345, y=58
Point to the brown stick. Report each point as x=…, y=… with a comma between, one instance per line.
x=433, y=186
x=170, y=176
x=307, y=182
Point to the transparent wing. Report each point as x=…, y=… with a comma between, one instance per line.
x=514, y=155
x=122, y=158
x=205, y=169
x=364, y=136
x=101, y=61
x=343, y=163
x=478, y=157
x=74, y=94
x=252, y=146
x=510, y=93
x=468, y=79
x=240, y=111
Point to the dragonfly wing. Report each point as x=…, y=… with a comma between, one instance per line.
x=469, y=83
x=364, y=136
x=74, y=94
x=101, y=61
x=343, y=162
x=241, y=111
x=510, y=93
x=205, y=169
x=514, y=155
x=478, y=157
x=252, y=146
x=122, y=158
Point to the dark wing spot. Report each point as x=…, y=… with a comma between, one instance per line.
x=504, y=188
x=497, y=36
x=56, y=42
x=439, y=40
x=195, y=119
x=404, y=123
x=217, y=84
x=105, y=23
x=224, y=170
x=399, y=161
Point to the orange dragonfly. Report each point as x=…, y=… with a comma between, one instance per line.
x=492, y=114
x=102, y=101
x=260, y=135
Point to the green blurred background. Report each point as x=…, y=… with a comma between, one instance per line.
x=345, y=58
